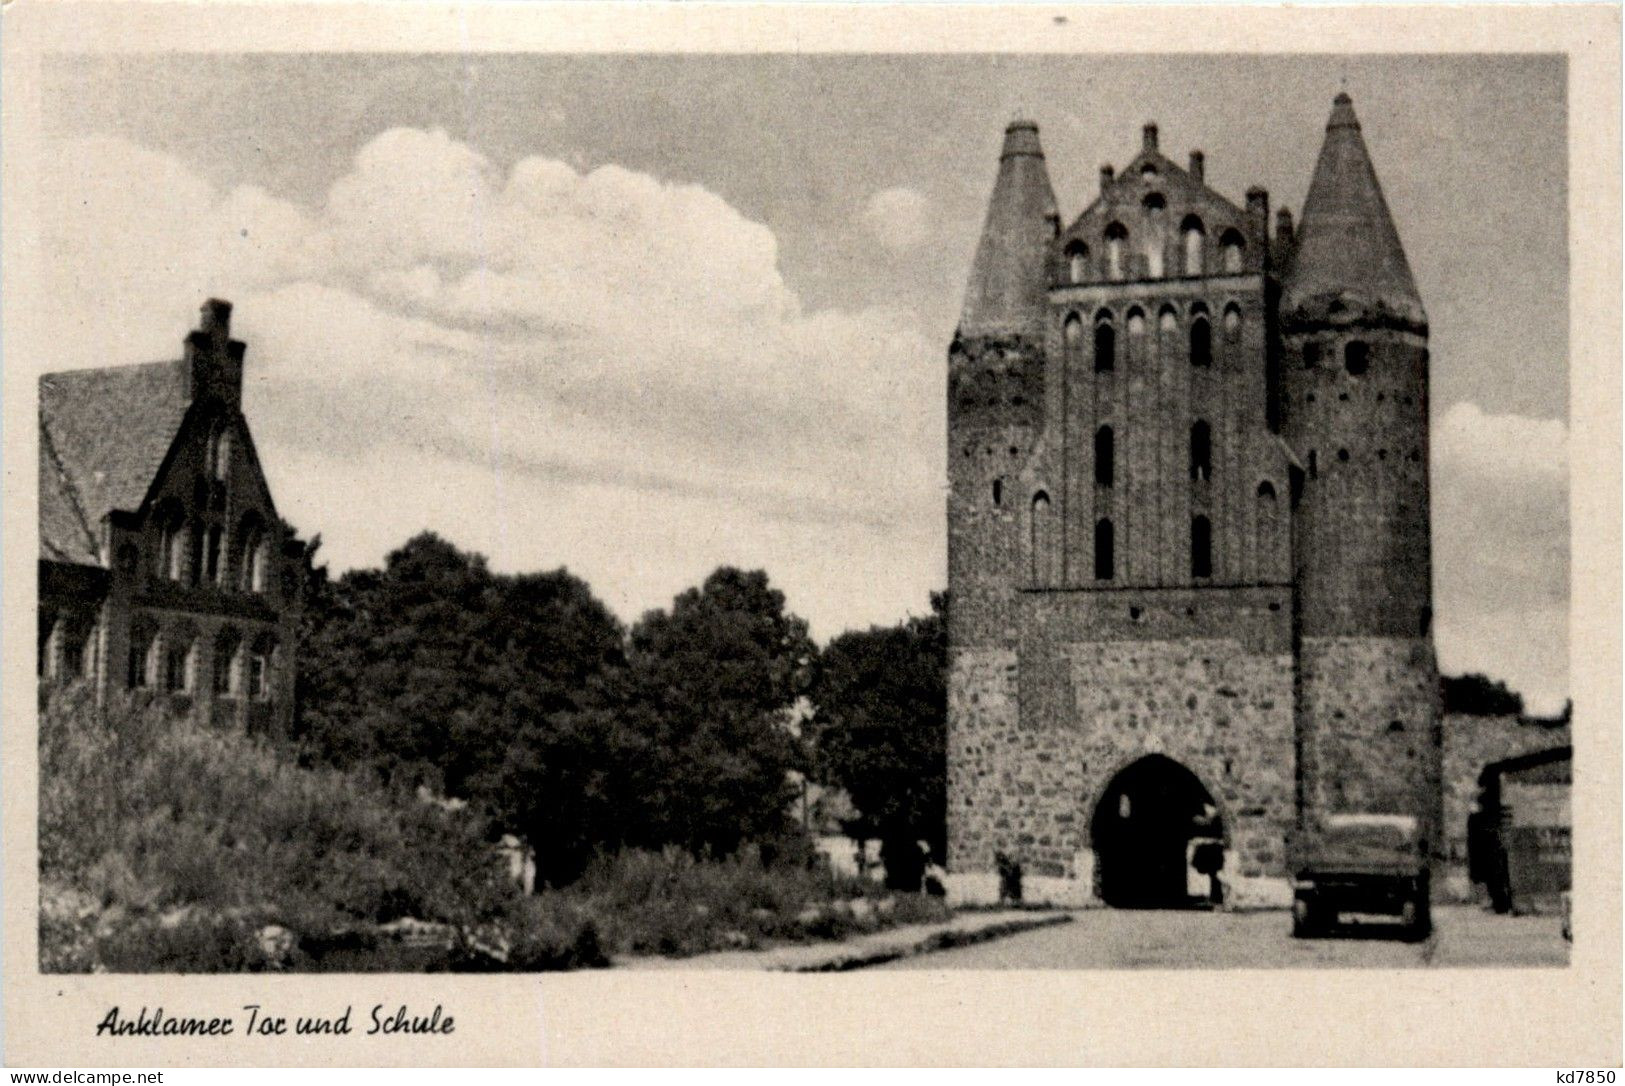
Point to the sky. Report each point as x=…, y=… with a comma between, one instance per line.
x=641, y=316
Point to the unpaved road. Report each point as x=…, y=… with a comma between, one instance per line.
x=1124, y=939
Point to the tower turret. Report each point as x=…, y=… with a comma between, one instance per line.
x=996, y=384
x=1006, y=291
x=1355, y=404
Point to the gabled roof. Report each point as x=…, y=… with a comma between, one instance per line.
x=1347, y=248
x=105, y=431
x=63, y=534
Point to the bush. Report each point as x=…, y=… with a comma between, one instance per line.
x=146, y=819
x=670, y=903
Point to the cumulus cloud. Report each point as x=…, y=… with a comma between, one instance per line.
x=601, y=368
x=1501, y=549
x=898, y=218
x=606, y=369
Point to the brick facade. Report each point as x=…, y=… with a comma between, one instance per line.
x=1188, y=536
x=163, y=563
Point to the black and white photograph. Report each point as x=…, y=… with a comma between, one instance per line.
x=799, y=513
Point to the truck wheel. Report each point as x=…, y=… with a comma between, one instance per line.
x=1418, y=924
x=1305, y=919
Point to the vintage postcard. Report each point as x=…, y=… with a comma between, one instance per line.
x=639, y=534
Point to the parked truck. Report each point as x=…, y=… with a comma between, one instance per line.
x=1360, y=863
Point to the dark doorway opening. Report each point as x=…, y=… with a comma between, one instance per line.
x=1156, y=832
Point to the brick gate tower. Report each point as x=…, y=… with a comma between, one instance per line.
x=1187, y=529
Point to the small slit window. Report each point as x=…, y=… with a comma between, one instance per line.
x=1201, y=343
x=1201, y=451
x=998, y=492
x=1201, y=547
x=1105, y=345
x=1105, y=456
x=1356, y=358
x=1105, y=559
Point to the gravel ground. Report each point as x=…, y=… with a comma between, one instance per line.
x=1122, y=939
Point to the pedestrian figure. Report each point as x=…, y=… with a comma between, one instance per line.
x=934, y=881
x=1009, y=870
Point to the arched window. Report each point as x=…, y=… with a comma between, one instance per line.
x=220, y=451
x=1116, y=248
x=1105, y=456
x=253, y=555
x=171, y=541
x=1193, y=238
x=1105, y=560
x=228, y=649
x=1072, y=331
x=1230, y=250
x=180, y=661
x=50, y=636
x=1201, y=342
x=998, y=492
x=1042, y=548
x=1077, y=262
x=1105, y=344
x=79, y=654
x=1268, y=550
x=141, y=668
x=1136, y=322
x=1167, y=319
x=1201, y=451
x=214, y=568
x=1232, y=321
x=1201, y=547
x=1356, y=358
x=1154, y=203
x=260, y=662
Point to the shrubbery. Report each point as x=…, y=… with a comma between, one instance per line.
x=166, y=846
x=669, y=903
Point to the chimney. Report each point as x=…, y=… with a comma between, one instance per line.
x=1198, y=165
x=1258, y=209
x=214, y=359
x=1148, y=137
x=1283, y=226
x=1106, y=175
x=216, y=321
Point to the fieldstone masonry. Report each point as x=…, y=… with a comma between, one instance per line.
x=1188, y=539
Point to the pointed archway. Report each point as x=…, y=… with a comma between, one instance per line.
x=1142, y=829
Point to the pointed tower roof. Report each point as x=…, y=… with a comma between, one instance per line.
x=1347, y=249
x=1006, y=291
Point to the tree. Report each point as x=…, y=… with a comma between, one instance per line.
x=1478, y=695
x=880, y=732
x=710, y=689
x=436, y=671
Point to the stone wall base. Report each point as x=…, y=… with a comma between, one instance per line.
x=1262, y=892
